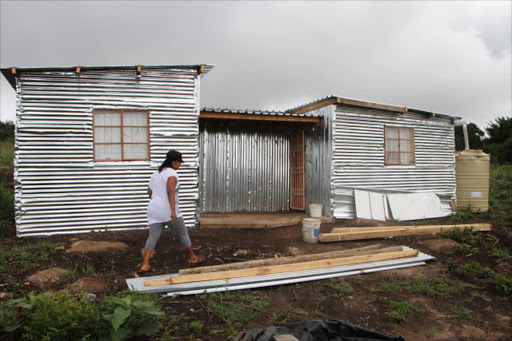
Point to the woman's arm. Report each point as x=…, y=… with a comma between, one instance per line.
x=171, y=195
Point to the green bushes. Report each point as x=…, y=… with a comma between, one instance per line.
x=54, y=316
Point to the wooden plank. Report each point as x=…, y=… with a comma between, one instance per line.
x=288, y=260
x=259, y=117
x=314, y=106
x=334, y=237
x=476, y=227
x=371, y=105
x=260, y=271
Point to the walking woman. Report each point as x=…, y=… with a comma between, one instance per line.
x=164, y=210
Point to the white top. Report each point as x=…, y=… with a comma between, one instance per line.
x=159, y=209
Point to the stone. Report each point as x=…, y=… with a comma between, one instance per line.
x=83, y=246
x=445, y=246
x=240, y=252
x=294, y=251
x=42, y=278
x=90, y=285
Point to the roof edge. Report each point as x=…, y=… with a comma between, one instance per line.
x=330, y=100
x=202, y=69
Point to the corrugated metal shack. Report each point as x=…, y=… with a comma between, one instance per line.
x=249, y=158
x=88, y=139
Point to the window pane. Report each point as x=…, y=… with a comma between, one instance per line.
x=107, y=135
x=406, y=133
x=391, y=145
x=107, y=118
x=135, y=118
x=406, y=146
x=135, y=135
x=108, y=152
x=406, y=158
x=136, y=151
x=393, y=158
x=391, y=133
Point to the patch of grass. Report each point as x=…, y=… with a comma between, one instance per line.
x=235, y=308
x=400, y=310
x=282, y=318
x=475, y=295
x=333, y=288
x=503, y=284
x=460, y=312
x=89, y=270
x=500, y=199
x=498, y=253
x=435, y=287
x=32, y=255
x=472, y=269
x=463, y=236
x=466, y=249
x=464, y=214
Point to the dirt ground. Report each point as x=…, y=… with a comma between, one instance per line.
x=434, y=318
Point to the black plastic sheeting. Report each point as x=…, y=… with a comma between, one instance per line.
x=316, y=330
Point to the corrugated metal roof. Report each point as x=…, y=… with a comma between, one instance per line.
x=328, y=100
x=7, y=72
x=256, y=112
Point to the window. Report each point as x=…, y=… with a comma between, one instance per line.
x=121, y=135
x=399, y=146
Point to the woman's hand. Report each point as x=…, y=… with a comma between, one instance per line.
x=173, y=216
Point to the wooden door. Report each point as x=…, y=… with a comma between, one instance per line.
x=297, y=177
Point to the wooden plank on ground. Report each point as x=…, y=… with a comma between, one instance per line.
x=475, y=227
x=224, y=275
x=293, y=259
x=408, y=231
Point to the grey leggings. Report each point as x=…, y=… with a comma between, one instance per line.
x=155, y=231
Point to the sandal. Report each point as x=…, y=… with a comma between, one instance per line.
x=200, y=260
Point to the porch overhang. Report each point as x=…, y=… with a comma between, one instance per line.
x=257, y=116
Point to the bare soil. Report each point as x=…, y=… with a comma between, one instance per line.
x=434, y=319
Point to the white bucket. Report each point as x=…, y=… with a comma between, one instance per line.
x=315, y=210
x=310, y=230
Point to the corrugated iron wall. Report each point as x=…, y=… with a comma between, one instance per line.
x=319, y=161
x=244, y=167
x=358, y=157
x=58, y=186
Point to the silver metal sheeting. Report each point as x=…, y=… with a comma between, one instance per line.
x=245, y=167
x=251, y=282
x=58, y=186
x=358, y=157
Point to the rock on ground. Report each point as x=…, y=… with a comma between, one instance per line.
x=83, y=246
x=94, y=285
x=44, y=277
x=445, y=246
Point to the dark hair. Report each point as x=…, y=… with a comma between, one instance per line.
x=167, y=163
x=172, y=155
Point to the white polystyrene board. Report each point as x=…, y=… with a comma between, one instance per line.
x=371, y=205
x=413, y=206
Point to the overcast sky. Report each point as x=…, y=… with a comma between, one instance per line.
x=448, y=57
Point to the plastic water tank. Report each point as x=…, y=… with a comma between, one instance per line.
x=472, y=176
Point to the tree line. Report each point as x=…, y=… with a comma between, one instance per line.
x=498, y=141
